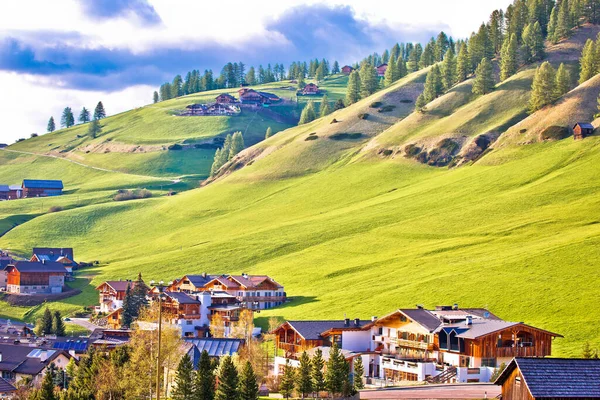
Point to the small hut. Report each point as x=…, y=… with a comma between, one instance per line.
x=582, y=130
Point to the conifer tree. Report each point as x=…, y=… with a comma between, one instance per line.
x=316, y=374
x=441, y=46
x=413, y=59
x=533, y=43
x=401, y=68
x=269, y=133
x=497, y=30
x=563, y=81
x=433, y=84
x=420, y=103
x=127, y=313
x=204, y=379
x=184, y=379
x=84, y=115
x=353, y=90
x=334, y=376
x=484, y=78
x=325, y=107
x=588, y=65
x=237, y=144
x=509, y=61
x=248, y=387
x=47, y=320
x=287, y=383
x=308, y=113
x=46, y=390
x=99, y=112
x=51, y=125
x=543, y=88
x=449, y=70
x=339, y=104
x=228, y=380
x=320, y=73
x=304, y=384
x=369, y=81
x=155, y=97
x=251, y=77
x=58, y=326
x=94, y=129
x=463, y=64
x=563, y=23
x=427, y=57
x=390, y=73
x=359, y=372
x=67, y=120
x=552, y=25
x=335, y=69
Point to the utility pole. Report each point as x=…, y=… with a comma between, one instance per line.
x=159, y=340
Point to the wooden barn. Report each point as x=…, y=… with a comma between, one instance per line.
x=550, y=378
x=381, y=70
x=310, y=89
x=42, y=188
x=582, y=130
x=225, y=98
x=347, y=70
x=10, y=192
x=28, y=277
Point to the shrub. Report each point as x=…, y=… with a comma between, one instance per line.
x=411, y=150
x=55, y=209
x=175, y=146
x=123, y=194
x=311, y=137
x=387, y=108
x=334, y=121
x=20, y=140
x=363, y=116
x=555, y=133
x=34, y=135
x=376, y=104
x=406, y=101
x=523, y=131
x=345, y=136
x=387, y=152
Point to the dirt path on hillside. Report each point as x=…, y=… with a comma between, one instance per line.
x=173, y=180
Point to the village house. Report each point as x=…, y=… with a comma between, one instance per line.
x=42, y=188
x=10, y=192
x=23, y=361
x=381, y=70
x=190, y=313
x=112, y=294
x=26, y=277
x=190, y=283
x=347, y=70
x=5, y=259
x=550, y=378
x=215, y=109
x=15, y=329
x=310, y=89
x=109, y=339
x=63, y=255
x=582, y=130
x=251, y=96
x=7, y=390
x=225, y=98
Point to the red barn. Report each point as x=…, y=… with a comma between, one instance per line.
x=347, y=70
x=35, y=277
x=582, y=130
x=309, y=89
x=381, y=69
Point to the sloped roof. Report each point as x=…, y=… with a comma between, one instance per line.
x=32, y=266
x=4, y=188
x=585, y=125
x=423, y=317
x=42, y=184
x=54, y=253
x=312, y=330
x=200, y=280
x=6, y=387
x=217, y=347
x=557, y=377
x=26, y=360
x=483, y=327
x=182, y=298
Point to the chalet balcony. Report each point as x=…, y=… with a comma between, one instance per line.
x=411, y=344
x=260, y=298
x=519, y=351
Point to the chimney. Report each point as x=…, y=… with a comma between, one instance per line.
x=204, y=274
x=357, y=322
x=347, y=322
x=0, y=357
x=373, y=318
x=455, y=307
x=43, y=261
x=469, y=320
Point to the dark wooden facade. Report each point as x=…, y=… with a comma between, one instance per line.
x=582, y=130
x=291, y=342
x=14, y=277
x=347, y=70
x=381, y=70
x=514, y=387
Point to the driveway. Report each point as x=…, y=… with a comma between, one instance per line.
x=85, y=323
x=451, y=391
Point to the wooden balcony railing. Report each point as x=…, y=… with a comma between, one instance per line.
x=411, y=344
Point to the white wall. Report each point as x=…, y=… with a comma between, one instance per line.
x=356, y=340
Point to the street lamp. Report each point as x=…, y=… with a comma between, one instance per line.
x=160, y=287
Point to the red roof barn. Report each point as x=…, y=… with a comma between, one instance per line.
x=347, y=70
x=309, y=89
x=381, y=69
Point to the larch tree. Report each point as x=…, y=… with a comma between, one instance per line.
x=308, y=113
x=227, y=388
x=237, y=144
x=449, y=70
x=390, y=75
x=99, y=111
x=316, y=374
x=509, y=59
x=353, y=89
x=248, y=387
x=288, y=381
x=269, y=133
x=304, y=384
x=184, y=379
x=563, y=81
x=204, y=378
x=484, y=78
x=58, y=326
x=84, y=116
x=543, y=87
x=587, y=62
x=369, y=81
x=67, y=120
x=325, y=106
x=51, y=125
x=94, y=129
x=359, y=372
x=463, y=63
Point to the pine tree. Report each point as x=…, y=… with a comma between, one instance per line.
x=509, y=61
x=51, y=125
x=484, y=78
x=563, y=81
x=94, y=129
x=99, y=112
x=237, y=144
x=308, y=113
x=155, y=97
x=588, y=65
x=269, y=133
x=228, y=380
x=369, y=81
x=127, y=313
x=67, y=120
x=533, y=43
x=84, y=115
x=497, y=30
x=334, y=376
x=353, y=89
x=336, y=68
x=433, y=84
x=248, y=388
x=287, y=383
x=320, y=73
x=563, y=23
x=204, y=379
x=46, y=390
x=427, y=57
x=46, y=323
x=304, y=384
x=316, y=374
x=58, y=326
x=552, y=25
x=413, y=58
x=441, y=46
x=325, y=107
x=359, y=372
x=420, y=103
x=184, y=379
x=463, y=64
x=449, y=70
x=401, y=68
x=390, y=73
x=543, y=87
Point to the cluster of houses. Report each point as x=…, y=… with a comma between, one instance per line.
x=347, y=70
x=193, y=300
x=31, y=188
x=44, y=273
x=226, y=104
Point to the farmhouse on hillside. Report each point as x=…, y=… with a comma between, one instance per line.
x=211, y=109
x=582, y=130
x=41, y=188
x=251, y=96
x=381, y=70
x=550, y=378
x=10, y=192
x=27, y=277
x=347, y=70
x=310, y=89
x=225, y=98
x=112, y=294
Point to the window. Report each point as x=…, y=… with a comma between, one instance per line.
x=488, y=362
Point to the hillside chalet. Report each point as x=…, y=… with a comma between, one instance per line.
x=26, y=277
x=347, y=70
x=41, y=188
x=190, y=313
x=225, y=98
x=582, y=130
x=112, y=294
x=63, y=255
x=211, y=109
x=381, y=70
x=310, y=89
x=550, y=378
x=251, y=96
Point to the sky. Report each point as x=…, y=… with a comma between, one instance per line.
x=78, y=52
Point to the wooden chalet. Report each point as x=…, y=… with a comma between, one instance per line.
x=191, y=283
x=180, y=305
x=582, y=130
x=26, y=277
x=550, y=378
x=381, y=70
x=310, y=89
x=112, y=294
x=41, y=188
x=253, y=291
x=225, y=98
x=251, y=96
x=114, y=319
x=347, y=70
x=60, y=255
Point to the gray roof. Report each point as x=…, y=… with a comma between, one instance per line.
x=4, y=188
x=312, y=330
x=26, y=360
x=54, y=253
x=585, y=125
x=42, y=184
x=30, y=266
x=216, y=347
x=557, y=377
x=200, y=280
x=479, y=327
x=6, y=387
x=182, y=298
x=422, y=317
x=15, y=187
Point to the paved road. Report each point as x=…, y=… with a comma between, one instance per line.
x=85, y=323
x=464, y=391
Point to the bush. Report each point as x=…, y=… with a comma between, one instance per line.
x=123, y=194
x=555, y=133
x=20, y=140
x=406, y=101
x=363, y=116
x=386, y=152
x=334, y=121
x=345, y=136
x=376, y=104
x=411, y=150
x=523, y=131
x=55, y=209
x=311, y=137
x=386, y=108
x=34, y=135
x=175, y=146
